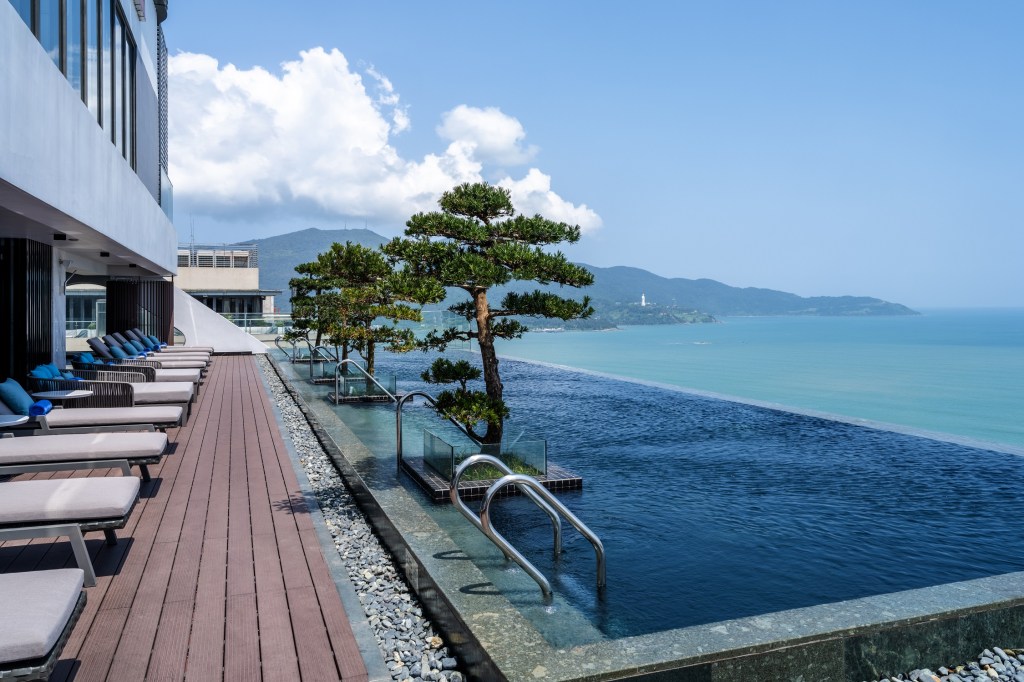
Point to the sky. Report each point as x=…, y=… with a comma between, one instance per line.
x=873, y=148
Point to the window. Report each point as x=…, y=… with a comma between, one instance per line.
x=48, y=31
x=74, y=43
x=92, y=57
x=24, y=8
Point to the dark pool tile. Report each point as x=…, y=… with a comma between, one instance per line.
x=893, y=650
x=820, y=661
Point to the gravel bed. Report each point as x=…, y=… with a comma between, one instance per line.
x=992, y=664
x=411, y=647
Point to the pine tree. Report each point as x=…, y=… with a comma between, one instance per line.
x=477, y=242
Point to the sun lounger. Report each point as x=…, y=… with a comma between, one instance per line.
x=117, y=417
x=138, y=335
x=139, y=393
x=67, y=507
x=106, y=419
x=85, y=451
x=40, y=608
x=86, y=361
x=151, y=348
x=117, y=354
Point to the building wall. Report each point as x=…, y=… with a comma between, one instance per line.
x=52, y=148
x=217, y=279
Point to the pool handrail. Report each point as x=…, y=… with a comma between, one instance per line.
x=531, y=483
x=277, y=342
x=481, y=458
x=337, y=379
x=494, y=536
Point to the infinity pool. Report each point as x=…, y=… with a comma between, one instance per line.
x=712, y=510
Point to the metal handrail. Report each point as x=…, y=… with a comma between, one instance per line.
x=531, y=483
x=277, y=342
x=453, y=494
x=398, y=423
x=337, y=379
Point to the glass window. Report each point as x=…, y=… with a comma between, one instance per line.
x=129, y=97
x=24, y=8
x=106, y=86
x=49, y=29
x=92, y=57
x=117, y=82
x=73, y=16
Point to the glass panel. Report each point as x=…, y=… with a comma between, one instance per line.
x=49, y=28
x=24, y=9
x=73, y=14
x=106, y=92
x=117, y=82
x=437, y=454
x=92, y=57
x=129, y=98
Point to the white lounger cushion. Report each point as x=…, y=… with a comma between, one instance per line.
x=189, y=375
x=113, y=416
x=175, y=363
x=162, y=392
x=37, y=606
x=66, y=499
x=81, y=447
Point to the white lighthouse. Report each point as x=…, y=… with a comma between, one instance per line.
x=643, y=300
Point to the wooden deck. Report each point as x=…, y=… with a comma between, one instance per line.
x=219, y=573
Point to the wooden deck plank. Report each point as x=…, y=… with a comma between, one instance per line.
x=218, y=573
x=242, y=640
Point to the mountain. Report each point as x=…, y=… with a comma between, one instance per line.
x=624, y=285
x=615, y=294
x=279, y=255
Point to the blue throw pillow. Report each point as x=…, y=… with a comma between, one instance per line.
x=15, y=397
x=86, y=357
x=40, y=372
x=118, y=353
x=139, y=348
x=53, y=370
x=69, y=375
x=40, y=408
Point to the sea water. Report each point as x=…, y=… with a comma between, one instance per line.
x=955, y=372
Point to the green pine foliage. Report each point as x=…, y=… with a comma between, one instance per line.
x=477, y=242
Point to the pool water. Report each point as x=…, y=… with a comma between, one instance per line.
x=712, y=510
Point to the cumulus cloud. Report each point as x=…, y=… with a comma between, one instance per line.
x=495, y=136
x=317, y=138
x=533, y=195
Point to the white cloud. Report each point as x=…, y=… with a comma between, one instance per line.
x=533, y=195
x=317, y=138
x=494, y=135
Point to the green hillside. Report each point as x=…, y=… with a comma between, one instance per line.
x=615, y=294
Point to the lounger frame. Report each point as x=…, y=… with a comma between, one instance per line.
x=74, y=531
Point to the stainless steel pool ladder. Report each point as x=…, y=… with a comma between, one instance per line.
x=540, y=495
x=337, y=380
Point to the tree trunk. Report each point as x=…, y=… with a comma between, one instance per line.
x=489, y=358
x=370, y=347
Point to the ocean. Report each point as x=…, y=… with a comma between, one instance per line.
x=952, y=373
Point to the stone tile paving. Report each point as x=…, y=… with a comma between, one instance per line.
x=410, y=645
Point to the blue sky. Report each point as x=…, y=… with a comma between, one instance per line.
x=872, y=148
